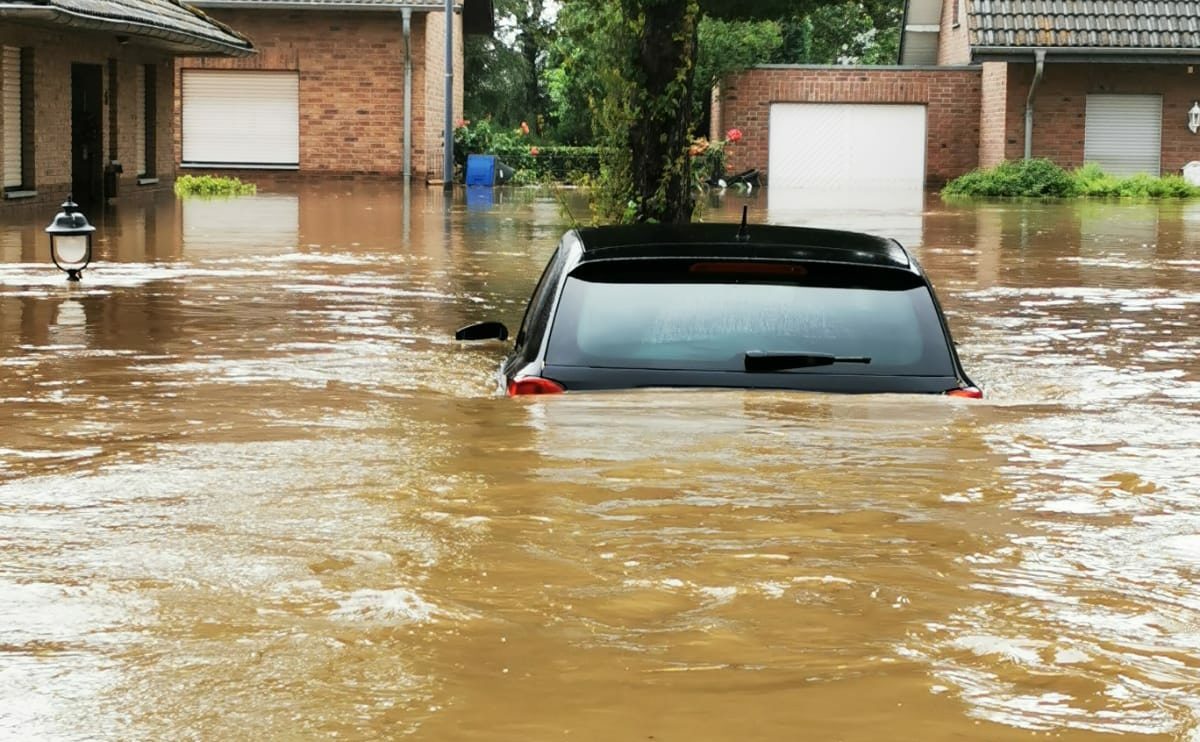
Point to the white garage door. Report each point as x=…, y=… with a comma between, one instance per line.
x=847, y=146
x=236, y=118
x=1123, y=133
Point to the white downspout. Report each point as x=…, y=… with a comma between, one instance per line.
x=406, y=14
x=1039, y=56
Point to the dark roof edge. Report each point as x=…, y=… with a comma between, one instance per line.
x=202, y=44
x=301, y=5
x=478, y=18
x=1086, y=54
x=903, y=33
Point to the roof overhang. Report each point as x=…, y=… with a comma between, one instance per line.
x=1104, y=55
x=175, y=41
x=478, y=15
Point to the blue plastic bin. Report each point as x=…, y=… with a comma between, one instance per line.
x=481, y=170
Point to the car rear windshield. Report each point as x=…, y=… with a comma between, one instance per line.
x=706, y=315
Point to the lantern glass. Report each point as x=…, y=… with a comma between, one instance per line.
x=71, y=249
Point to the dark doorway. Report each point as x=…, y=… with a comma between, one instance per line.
x=87, y=116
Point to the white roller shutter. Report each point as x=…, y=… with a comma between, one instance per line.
x=13, y=173
x=840, y=146
x=241, y=118
x=1123, y=133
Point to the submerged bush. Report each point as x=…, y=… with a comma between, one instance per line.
x=1090, y=180
x=1040, y=178
x=1037, y=177
x=212, y=185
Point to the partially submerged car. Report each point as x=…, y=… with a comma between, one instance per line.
x=723, y=305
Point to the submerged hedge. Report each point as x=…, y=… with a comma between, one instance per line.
x=1041, y=178
x=212, y=185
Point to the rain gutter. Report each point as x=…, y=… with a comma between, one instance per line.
x=406, y=14
x=1039, y=56
x=88, y=22
x=1096, y=51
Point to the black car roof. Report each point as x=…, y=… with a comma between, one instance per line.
x=720, y=241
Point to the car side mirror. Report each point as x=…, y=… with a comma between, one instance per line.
x=483, y=331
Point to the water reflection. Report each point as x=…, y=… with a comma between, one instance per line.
x=261, y=224
x=892, y=212
x=249, y=487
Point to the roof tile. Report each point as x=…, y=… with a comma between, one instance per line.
x=1079, y=24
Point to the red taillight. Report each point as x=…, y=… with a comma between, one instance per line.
x=969, y=392
x=533, y=385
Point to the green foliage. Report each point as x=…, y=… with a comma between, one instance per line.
x=212, y=186
x=568, y=116
x=797, y=35
x=846, y=33
x=505, y=73
x=1041, y=178
x=725, y=47
x=572, y=80
x=495, y=74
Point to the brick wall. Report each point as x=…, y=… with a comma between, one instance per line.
x=351, y=67
x=954, y=47
x=993, y=128
x=1060, y=105
x=951, y=97
x=53, y=53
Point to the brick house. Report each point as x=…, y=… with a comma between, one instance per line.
x=86, y=88
x=339, y=88
x=981, y=81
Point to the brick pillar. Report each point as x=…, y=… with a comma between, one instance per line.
x=435, y=85
x=993, y=113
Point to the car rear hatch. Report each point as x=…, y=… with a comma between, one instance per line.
x=772, y=324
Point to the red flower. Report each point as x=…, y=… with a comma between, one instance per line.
x=462, y=123
x=734, y=135
x=524, y=128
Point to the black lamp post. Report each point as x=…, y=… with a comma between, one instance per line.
x=70, y=240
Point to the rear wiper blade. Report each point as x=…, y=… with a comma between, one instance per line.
x=776, y=360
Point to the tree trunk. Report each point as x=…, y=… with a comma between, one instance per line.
x=531, y=44
x=659, y=139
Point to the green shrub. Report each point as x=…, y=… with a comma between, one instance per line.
x=1030, y=178
x=212, y=185
x=1041, y=178
x=1093, y=182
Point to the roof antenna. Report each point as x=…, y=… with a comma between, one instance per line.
x=743, y=234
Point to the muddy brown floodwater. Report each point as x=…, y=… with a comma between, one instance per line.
x=250, y=488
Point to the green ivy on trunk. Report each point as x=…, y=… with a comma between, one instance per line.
x=644, y=119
